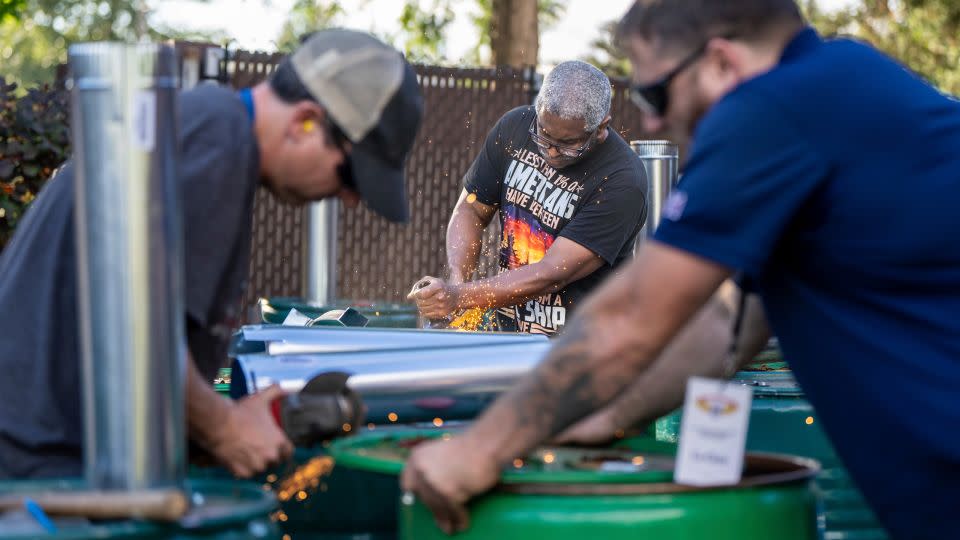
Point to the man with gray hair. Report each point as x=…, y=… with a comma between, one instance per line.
x=571, y=198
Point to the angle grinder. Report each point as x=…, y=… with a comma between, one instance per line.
x=323, y=409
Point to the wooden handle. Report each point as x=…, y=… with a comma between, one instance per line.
x=156, y=505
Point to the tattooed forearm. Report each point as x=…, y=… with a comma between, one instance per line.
x=560, y=390
x=612, y=339
x=584, y=371
x=701, y=349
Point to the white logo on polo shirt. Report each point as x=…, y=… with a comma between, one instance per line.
x=673, y=208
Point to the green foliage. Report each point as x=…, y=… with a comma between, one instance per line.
x=10, y=9
x=29, y=53
x=35, y=44
x=423, y=30
x=606, y=55
x=922, y=34
x=307, y=16
x=34, y=141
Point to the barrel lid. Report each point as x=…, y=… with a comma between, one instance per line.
x=769, y=359
x=647, y=461
x=215, y=504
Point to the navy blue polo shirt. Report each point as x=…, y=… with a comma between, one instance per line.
x=833, y=183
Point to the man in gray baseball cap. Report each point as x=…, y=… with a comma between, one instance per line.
x=372, y=99
x=336, y=118
x=367, y=97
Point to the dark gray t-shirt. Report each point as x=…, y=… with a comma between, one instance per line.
x=40, y=407
x=598, y=202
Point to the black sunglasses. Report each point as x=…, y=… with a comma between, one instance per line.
x=654, y=98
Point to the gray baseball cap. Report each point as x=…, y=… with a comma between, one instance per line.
x=371, y=94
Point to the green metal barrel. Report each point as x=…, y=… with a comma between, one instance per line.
x=782, y=420
x=319, y=501
x=614, y=494
x=221, y=510
x=380, y=314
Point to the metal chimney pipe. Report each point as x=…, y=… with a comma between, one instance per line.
x=320, y=277
x=128, y=228
x=417, y=384
x=277, y=340
x=660, y=159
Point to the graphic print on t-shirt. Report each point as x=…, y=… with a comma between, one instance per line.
x=597, y=202
x=537, y=202
x=523, y=240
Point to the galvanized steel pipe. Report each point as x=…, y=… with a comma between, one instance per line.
x=320, y=276
x=276, y=340
x=128, y=228
x=451, y=383
x=660, y=160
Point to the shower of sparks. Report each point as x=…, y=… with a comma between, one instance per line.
x=301, y=479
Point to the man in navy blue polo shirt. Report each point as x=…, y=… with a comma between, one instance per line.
x=829, y=176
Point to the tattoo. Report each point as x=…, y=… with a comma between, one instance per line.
x=563, y=388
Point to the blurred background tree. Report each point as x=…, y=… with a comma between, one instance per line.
x=423, y=25
x=489, y=21
x=606, y=54
x=34, y=39
x=922, y=34
x=10, y=9
x=307, y=16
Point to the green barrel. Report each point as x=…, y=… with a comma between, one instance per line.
x=380, y=315
x=781, y=420
x=319, y=501
x=221, y=510
x=614, y=494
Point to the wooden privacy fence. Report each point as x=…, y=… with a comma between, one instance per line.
x=377, y=260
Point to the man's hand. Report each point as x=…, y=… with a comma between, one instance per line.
x=435, y=298
x=249, y=439
x=445, y=475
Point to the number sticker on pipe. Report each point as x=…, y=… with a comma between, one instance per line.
x=144, y=116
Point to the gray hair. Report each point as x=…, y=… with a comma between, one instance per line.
x=576, y=90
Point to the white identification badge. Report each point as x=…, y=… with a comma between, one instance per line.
x=713, y=433
x=295, y=318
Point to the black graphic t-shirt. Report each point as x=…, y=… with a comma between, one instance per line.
x=598, y=202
